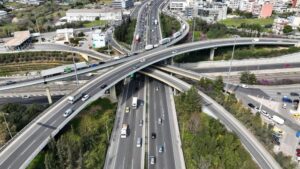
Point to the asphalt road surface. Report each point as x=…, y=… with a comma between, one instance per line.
x=158, y=108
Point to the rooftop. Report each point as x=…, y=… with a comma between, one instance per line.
x=93, y=10
x=18, y=39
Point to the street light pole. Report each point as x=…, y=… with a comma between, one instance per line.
x=229, y=71
x=75, y=67
x=6, y=124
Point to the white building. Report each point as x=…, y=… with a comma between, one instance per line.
x=213, y=12
x=32, y=2
x=279, y=24
x=106, y=14
x=3, y=14
x=179, y=5
x=99, y=39
x=122, y=4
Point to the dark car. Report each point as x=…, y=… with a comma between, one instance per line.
x=294, y=94
x=103, y=86
x=153, y=136
x=251, y=105
x=101, y=63
x=10, y=82
x=275, y=140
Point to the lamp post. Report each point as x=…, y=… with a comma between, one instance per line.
x=75, y=67
x=229, y=71
x=6, y=124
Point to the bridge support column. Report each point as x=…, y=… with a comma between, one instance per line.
x=48, y=95
x=212, y=53
x=113, y=93
x=85, y=57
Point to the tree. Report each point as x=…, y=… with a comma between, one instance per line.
x=248, y=78
x=287, y=29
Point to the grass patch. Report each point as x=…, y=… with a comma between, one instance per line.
x=197, y=35
x=95, y=23
x=236, y=22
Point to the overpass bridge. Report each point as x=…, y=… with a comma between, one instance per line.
x=159, y=54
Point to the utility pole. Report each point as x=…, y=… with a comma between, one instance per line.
x=229, y=71
x=75, y=67
x=193, y=29
x=6, y=124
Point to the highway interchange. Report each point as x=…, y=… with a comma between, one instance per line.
x=21, y=150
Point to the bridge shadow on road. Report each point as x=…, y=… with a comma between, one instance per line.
x=46, y=125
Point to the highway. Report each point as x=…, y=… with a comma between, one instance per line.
x=158, y=108
x=257, y=150
x=36, y=100
x=34, y=137
x=160, y=54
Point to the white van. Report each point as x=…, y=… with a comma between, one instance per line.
x=139, y=142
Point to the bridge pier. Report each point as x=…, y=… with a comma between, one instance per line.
x=113, y=93
x=212, y=53
x=48, y=95
x=85, y=57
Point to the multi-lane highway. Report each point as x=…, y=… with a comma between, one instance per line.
x=123, y=152
x=161, y=146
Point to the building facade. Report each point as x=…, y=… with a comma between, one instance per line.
x=73, y=15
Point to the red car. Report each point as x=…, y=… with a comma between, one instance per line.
x=298, y=152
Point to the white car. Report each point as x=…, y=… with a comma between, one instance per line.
x=85, y=97
x=284, y=105
x=244, y=86
x=68, y=112
x=25, y=96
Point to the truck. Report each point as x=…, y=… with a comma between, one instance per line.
x=155, y=22
x=124, y=131
x=137, y=37
x=176, y=35
x=134, y=102
x=149, y=47
x=74, y=97
x=277, y=119
x=164, y=41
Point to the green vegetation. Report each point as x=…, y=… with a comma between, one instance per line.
x=237, y=22
x=197, y=35
x=239, y=53
x=205, y=141
x=83, y=142
x=248, y=78
x=287, y=29
x=169, y=25
x=17, y=117
x=252, y=121
x=95, y=23
x=41, y=20
x=26, y=61
x=125, y=32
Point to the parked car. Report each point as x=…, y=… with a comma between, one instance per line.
x=159, y=120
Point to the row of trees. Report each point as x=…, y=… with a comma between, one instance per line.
x=17, y=116
x=36, y=56
x=125, y=31
x=252, y=121
x=84, y=141
x=205, y=141
x=169, y=25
